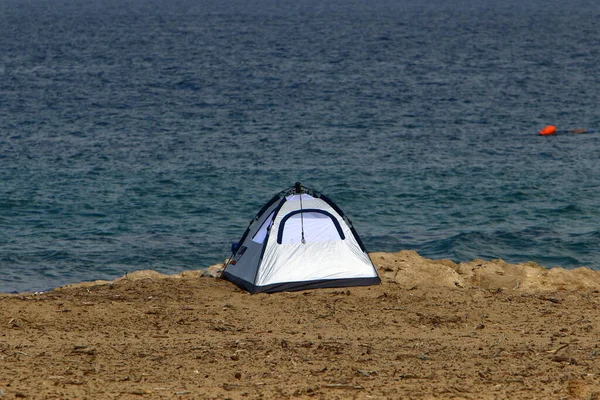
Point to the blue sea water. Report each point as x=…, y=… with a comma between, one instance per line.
x=146, y=134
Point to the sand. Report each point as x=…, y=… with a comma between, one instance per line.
x=432, y=329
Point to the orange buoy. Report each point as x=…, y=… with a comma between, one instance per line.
x=548, y=130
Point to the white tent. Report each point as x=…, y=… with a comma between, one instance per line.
x=299, y=240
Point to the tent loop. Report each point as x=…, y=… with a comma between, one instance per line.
x=302, y=221
x=298, y=189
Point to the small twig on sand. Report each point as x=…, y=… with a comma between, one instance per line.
x=21, y=353
x=342, y=386
x=559, y=349
x=551, y=299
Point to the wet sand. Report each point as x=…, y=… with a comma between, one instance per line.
x=432, y=329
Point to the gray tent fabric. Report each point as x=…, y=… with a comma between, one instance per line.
x=299, y=240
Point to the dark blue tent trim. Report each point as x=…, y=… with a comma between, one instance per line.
x=273, y=200
x=302, y=285
x=260, y=213
x=241, y=283
x=255, y=220
x=264, y=247
x=308, y=210
x=339, y=211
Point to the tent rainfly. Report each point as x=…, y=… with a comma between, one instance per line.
x=299, y=240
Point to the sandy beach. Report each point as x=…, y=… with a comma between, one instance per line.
x=432, y=329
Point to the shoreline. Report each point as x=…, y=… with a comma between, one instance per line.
x=408, y=269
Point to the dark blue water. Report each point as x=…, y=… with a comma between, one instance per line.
x=146, y=134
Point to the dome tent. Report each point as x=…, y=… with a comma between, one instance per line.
x=299, y=240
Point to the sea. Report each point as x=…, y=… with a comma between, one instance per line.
x=146, y=134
